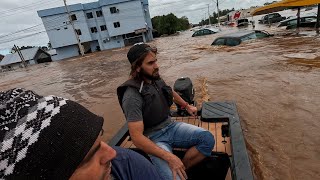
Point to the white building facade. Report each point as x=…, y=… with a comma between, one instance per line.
x=101, y=25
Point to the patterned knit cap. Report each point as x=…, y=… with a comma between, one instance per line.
x=43, y=137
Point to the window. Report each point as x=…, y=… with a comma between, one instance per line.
x=232, y=42
x=219, y=42
x=206, y=31
x=94, y=29
x=99, y=13
x=310, y=19
x=89, y=15
x=249, y=36
x=78, y=31
x=73, y=17
x=114, y=10
x=103, y=28
x=260, y=34
x=116, y=24
x=293, y=22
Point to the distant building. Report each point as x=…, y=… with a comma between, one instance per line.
x=31, y=56
x=239, y=14
x=101, y=25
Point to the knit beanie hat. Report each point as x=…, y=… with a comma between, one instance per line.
x=137, y=50
x=43, y=137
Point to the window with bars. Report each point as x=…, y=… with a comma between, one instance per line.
x=116, y=24
x=89, y=15
x=73, y=17
x=114, y=10
x=94, y=29
x=99, y=13
x=103, y=28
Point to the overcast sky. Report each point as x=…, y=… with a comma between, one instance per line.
x=18, y=15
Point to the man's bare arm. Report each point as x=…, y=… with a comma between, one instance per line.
x=178, y=99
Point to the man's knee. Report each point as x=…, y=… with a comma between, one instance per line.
x=207, y=143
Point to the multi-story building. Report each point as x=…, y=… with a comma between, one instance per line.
x=101, y=25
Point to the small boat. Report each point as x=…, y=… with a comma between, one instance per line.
x=229, y=158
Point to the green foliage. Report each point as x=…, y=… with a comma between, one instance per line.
x=268, y=3
x=169, y=24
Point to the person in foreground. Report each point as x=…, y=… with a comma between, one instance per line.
x=55, y=138
x=145, y=100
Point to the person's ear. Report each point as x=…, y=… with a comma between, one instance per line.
x=138, y=69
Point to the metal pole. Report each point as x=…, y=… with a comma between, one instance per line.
x=209, y=15
x=298, y=18
x=318, y=19
x=74, y=30
x=21, y=56
x=218, y=13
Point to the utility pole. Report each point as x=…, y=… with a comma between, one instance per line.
x=218, y=13
x=318, y=19
x=209, y=15
x=20, y=54
x=74, y=30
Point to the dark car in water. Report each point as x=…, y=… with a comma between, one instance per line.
x=305, y=21
x=205, y=31
x=237, y=38
x=271, y=18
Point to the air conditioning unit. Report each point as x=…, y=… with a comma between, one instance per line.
x=106, y=40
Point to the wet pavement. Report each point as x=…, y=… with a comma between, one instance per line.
x=274, y=81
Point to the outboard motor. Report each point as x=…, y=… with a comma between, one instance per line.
x=184, y=87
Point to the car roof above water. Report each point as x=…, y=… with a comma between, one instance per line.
x=240, y=34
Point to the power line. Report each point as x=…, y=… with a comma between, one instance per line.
x=26, y=8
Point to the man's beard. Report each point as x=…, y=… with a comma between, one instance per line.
x=154, y=76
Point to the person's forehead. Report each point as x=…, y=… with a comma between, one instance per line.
x=150, y=57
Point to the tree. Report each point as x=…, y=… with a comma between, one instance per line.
x=268, y=3
x=170, y=24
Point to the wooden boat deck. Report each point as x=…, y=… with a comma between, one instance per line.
x=222, y=144
x=215, y=116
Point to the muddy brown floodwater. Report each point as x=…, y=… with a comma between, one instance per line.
x=275, y=83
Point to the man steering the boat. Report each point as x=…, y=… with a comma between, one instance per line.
x=145, y=100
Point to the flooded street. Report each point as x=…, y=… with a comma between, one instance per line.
x=274, y=81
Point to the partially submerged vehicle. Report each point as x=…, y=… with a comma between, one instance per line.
x=205, y=31
x=242, y=23
x=237, y=38
x=229, y=158
x=305, y=21
x=271, y=18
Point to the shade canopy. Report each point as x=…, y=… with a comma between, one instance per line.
x=281, y=5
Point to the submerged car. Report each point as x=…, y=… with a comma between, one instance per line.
x=205, y=31
x=237, y=38
x=305, y=21
x=242, y=23
x=271, y=18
